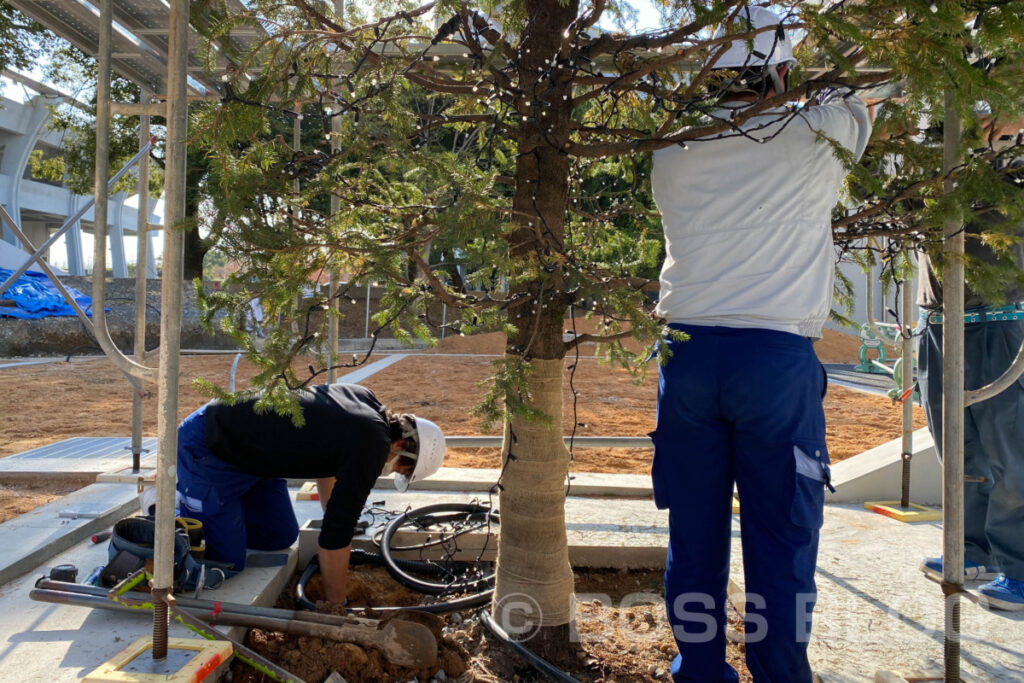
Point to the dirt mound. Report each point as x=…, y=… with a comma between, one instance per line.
x=314, y=659
x=622, y=635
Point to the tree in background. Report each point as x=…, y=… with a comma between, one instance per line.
x=516, y=144
x=22, y=41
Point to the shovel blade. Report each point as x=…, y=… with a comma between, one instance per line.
x=409, y=644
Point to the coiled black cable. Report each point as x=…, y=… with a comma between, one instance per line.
x=424, y=518
x=454, y=574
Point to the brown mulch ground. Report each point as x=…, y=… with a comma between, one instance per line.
x=46, y=403
x=17, y=499
x=42, y=404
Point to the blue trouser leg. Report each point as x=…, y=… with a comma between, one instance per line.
x=773, y=397
x=270, y=522
x=780, y=527
x=993, y=440
x=976, y=493
x=224, y=498
x=738, y=403
x=696, y=484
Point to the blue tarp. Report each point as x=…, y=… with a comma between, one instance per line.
x=36, y=297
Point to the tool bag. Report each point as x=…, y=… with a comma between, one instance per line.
x=137, y=535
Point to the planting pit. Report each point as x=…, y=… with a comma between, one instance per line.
x=621, y=627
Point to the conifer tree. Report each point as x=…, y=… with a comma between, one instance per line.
x=497, y=160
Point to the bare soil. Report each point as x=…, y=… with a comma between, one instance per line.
x=42, y=404
x=622, y=636
x=621, y=640
x=19, y=498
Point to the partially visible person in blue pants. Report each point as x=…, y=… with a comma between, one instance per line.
x=239, y=510
x=747, y=405
x=233, y=462
x=748, y=276
x=993, y=429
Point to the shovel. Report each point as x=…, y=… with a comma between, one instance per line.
x=404, y=643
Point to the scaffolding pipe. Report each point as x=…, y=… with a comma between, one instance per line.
x=1000, y=385
x=38, y=254
x=952, y=405
x=907, y=389
x=869, y=309
x=99, y=268
x=142, y=239
x=45, y=267
x=170, y=319
x=332, y=287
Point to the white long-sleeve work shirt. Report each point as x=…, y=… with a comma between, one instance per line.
x=747, y=224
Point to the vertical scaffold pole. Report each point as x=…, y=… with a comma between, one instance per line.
x=952, y=406
x=101, y=191
x=170, y=320
x=906, y=387
x=142, y=240
x=332, y=291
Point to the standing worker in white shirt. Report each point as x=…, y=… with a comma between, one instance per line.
x=748, y=275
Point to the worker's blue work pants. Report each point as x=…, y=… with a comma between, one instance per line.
x=238, y=510
x=993, y=440
x=743, y=406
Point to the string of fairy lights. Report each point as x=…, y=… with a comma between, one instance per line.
x=591, y=97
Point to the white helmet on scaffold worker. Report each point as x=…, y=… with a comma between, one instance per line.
x=756, y=61
x=428, y=450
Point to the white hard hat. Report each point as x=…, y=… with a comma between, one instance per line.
x=768, y=48
x=429, y=452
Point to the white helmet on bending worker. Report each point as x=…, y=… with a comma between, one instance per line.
x=427, y=449
x=756, y=62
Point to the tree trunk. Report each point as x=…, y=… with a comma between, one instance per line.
x=533, y=596
x=195, y=246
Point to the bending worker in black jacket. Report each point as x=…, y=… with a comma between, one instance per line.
x=232, y=465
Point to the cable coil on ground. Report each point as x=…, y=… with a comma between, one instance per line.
x=455, y=576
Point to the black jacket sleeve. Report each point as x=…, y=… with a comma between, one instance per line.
x=354, y=481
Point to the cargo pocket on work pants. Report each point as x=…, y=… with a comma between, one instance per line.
x=199, y=500
x=812, y=476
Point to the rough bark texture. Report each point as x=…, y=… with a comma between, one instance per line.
x=533, y=554
x=195, y=246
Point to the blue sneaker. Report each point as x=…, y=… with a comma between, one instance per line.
x=972, y=570
x=1003, y=593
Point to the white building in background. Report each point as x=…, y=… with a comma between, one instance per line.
x=41, y=207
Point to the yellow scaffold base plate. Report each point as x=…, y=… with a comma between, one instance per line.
x=735, y=505
x=308, y=491
x=189, y=660
x=913, y=513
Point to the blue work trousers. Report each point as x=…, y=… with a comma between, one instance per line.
x=993, y=440
x=741, y=406
x=238, y=510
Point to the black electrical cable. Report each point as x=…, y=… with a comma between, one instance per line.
x=443, y=607
x=537, y=662
x=423, y=518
